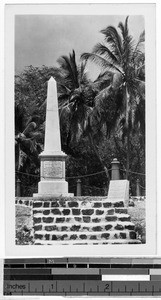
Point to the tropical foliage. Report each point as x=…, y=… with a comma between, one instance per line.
x=123, y=58
x=99, y=119
x=27, y=145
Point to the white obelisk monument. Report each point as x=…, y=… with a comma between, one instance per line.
x=52, y=159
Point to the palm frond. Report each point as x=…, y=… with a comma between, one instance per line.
x=68, y=65
x=103, y=50
x=103, y=80
x=128, y=44
x=29, y=129
x=137, y=88
x=65, y=110
x=140, y=41
x=37, y=136
x=113, y=38
x=104, y=110
x=117, y=80
x=142, y=37
x=74, y=67
x=103, y=95
x=102, y=62
x=124, y=28
x=82, y=73
x=104, y=75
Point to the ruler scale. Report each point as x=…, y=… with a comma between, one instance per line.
x=83, y=276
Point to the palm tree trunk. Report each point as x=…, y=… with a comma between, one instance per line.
x=126, y=103
x=127, y=133
x=98, y=156
x=18, y=181
x=19, y=158
x=128, y=155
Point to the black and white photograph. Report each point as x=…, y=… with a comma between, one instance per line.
x=81, y=120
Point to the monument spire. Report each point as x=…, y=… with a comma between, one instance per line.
x=52, y=159
x=52, y=128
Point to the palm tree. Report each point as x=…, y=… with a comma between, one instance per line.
x=76, y=102
x=27, y=137
x=75, y=93
x=123, y=58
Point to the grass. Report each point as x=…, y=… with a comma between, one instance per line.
x=137, y=214
x=24, y=225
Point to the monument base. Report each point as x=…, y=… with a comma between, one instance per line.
x=52, y=181
x=46, y=196
x=53, y=188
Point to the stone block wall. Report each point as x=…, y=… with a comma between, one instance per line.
x=81, y=220
x=27, y=201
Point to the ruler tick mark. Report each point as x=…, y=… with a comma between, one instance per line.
x=83, y=286
x=153, y=290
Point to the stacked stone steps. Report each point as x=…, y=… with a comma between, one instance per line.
x=75, y=235
x=80, y=202
x=86, y=219
x=82, y=221
x=76, y=211
x=88, y=242
x=84, y=215
x=81, y=227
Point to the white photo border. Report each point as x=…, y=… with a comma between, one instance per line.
x=148, y=11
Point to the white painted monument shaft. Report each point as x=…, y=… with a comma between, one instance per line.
x=52, y=159
x=52, y=128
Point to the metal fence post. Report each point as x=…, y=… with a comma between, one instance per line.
x=115, y=173
x=18, y=188
x=138, y=193
x=78, y=187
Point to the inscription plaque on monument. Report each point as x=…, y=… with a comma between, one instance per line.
x=52, y=169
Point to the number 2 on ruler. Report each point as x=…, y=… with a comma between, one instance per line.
x=106, y=287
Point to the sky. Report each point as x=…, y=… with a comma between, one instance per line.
x=42, y=39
